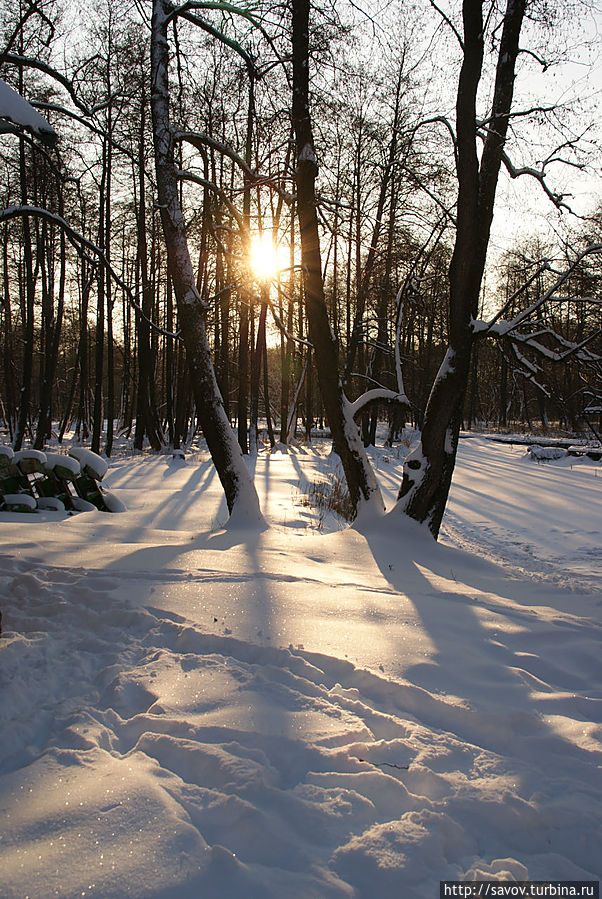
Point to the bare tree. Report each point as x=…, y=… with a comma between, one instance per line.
x=240, y=492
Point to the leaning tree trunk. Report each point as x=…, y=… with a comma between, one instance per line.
x=429, y=468
x=361, y=481
x=239, y=489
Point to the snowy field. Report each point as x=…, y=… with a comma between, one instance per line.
x=304, y=712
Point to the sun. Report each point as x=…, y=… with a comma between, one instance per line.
x=266, y=258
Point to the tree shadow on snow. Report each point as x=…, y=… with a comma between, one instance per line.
x=497, y=665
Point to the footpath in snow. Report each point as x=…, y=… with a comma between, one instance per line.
x=304, y=711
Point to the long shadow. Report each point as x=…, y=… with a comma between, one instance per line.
x=482, y=649
x=199, y=479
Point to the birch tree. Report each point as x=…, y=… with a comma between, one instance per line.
x=239, y=489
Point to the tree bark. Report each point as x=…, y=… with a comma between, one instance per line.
x=362, y=484
x=429, y=468
x=147, y=419
x=241, y=496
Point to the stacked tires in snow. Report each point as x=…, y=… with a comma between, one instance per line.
x=31, y=480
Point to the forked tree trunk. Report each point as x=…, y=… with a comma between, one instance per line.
x=429, y=468
x=239, y=489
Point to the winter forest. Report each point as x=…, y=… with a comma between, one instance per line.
x=174, y=242
x=308, y=285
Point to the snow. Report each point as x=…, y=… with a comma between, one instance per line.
x=90, y=462
x=50, y=504
x=304, y=711
x=19, y=501
x=17, y=110
x=29, y=460
x=545, y=453
x=68, y=466
x=82, y=505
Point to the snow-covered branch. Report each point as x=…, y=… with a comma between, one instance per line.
x=220, y=36
x=496, y=327
x=377, y=394
x=31, y=63
x=15, y=109
x=210, y=185
x=539, y=176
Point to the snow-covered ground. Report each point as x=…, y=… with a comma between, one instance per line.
x=305, y=711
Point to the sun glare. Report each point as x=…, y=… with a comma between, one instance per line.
x=266, y=258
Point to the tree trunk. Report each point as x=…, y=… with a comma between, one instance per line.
x=9, y=355
x=109, y=300
x=241, y=496
x=243, y=343
x=98, y=412
x=256, y=372
x=147, y=419
x=429, y=468
x=28, y=296
x=361, y=481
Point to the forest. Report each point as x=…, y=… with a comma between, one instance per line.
x=269, y=221
x=316, y=288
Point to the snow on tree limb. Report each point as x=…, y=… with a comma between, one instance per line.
x=200, y=140
x=31, y=63
x=19, y=112
x=374, y=395
x=498, y=328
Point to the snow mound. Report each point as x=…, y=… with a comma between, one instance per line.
x=50, y=504
x=546, y=453
x=19, y=502
x=67, y=466
x=30, y=461
x=91, y=463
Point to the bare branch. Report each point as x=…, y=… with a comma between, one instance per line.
x=283, y=330
x=449, y=22
x=544, y=65
x=203, y=182
x=216, y=33
x=33, y=9
x=186, y=10
x=200, y=140
x=539, y=175
x=527, y=313
x=30, y=63
x=79, y=241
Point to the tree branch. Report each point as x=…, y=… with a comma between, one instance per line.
x=79, y=241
